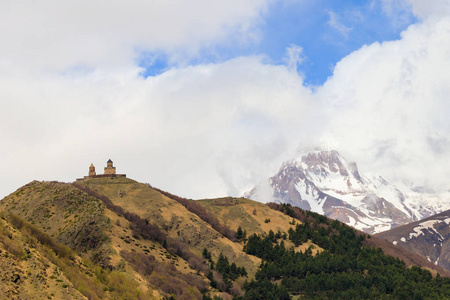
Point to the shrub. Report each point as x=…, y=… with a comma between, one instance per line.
x=165, y=276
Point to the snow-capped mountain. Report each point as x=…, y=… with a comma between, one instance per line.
x=429, y=237
x=324, y=182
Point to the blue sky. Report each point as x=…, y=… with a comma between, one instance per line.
x=326, y=30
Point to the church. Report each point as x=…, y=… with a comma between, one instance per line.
x=109, y=171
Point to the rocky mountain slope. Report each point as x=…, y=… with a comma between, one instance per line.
x=324, y=182
x=429, y=237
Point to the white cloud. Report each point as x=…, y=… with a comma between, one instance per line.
x=335, y=23
x=70, y=91
x=294, y=57
x=426, y=9
x=389, y=104
x=399, y=12
x=60, y=34
x=208, y=130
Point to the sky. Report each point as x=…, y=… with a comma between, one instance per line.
x=207, y=98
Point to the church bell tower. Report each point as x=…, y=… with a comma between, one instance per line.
x=110, y=170
x=91, y=170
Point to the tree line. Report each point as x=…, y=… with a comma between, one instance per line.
x=345, y=269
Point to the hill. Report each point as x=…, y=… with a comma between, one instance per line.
x=171, y=216
x=253, y=218
x=118, y=224
x=349, y=267
x=115, y=238
x=429, y=237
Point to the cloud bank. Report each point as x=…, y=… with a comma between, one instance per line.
x=60, y=35
x=390, y=102
x=71, y=94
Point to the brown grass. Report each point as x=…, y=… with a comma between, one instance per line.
x=142, y=228
x=195, y=208
x=173, y=218
x=165, y=276
x=249, y=215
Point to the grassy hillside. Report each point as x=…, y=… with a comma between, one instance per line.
x=25, y=270
x=115, y=238
x=76, y=219
x=254, y=217
x=69, y=216
x=112, y=223
x=172, y=217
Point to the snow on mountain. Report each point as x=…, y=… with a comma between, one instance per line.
x=429, y=237
x=324, y=182
x=426, y=203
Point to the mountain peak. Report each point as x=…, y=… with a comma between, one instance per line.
x=321, y=146
x=326, y=161
x=323, y=181
x=324, y=146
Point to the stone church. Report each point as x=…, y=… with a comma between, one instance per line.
x=109, y=171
